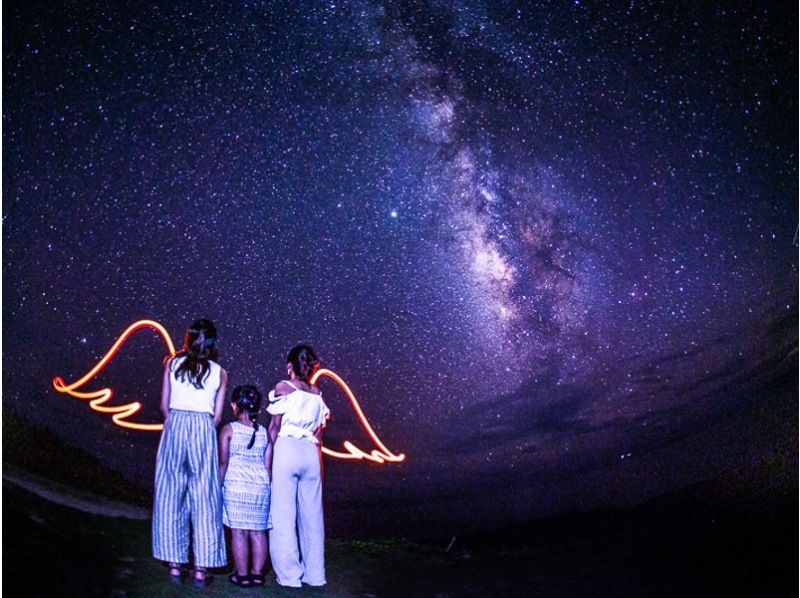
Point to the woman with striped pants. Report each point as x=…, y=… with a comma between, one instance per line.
x=187, y=487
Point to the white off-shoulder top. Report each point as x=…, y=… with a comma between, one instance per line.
x=303, y=412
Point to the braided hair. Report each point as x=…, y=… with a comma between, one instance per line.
x=199, y=347
x=248, y=400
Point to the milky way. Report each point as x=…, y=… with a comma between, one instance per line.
x=537, y=239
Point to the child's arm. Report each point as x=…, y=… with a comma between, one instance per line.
x=165, y=391
x=219, y=403
x=224, y=449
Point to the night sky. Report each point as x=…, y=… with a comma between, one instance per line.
x=542, y=241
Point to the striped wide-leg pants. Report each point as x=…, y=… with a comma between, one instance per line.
x=297, y=537
x=187, y=492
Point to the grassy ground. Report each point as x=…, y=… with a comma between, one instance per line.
x=731, y=537
x=53, y=550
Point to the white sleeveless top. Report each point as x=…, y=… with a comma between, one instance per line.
x=303, y=412
x=184, y=396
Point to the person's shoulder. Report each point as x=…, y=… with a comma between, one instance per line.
x=284, y=388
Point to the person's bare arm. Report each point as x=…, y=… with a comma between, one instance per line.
x=274, y=428
x=268, y=460
x=219, y=403
x=165, y=391
x=281, y=389
x=272, y=432
x=224, y=451
x=319, y=430
x=318, y=434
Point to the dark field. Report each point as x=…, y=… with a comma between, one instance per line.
x=730, y=536
x=678, y=545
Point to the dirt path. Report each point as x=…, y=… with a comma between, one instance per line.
x=71, y=497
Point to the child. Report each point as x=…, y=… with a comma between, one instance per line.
x=187, y=490
x=243, y=456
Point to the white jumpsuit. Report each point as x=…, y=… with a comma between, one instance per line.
x=297, y=537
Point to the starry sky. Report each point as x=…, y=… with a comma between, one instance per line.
x=540, y=240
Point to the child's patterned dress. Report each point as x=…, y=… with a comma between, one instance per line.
x=245, y=490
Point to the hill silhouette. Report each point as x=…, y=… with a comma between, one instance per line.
x=35, y=450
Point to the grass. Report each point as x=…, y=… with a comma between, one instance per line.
x=53, y=550
x=708, y=540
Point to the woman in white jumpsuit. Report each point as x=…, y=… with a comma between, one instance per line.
x=297, y=537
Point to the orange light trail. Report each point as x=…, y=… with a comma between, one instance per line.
x=98, y=397
x=353, y=452
x=121, y=413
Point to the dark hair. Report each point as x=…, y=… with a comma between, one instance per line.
x=304, y=361
x=199, y=347
x=248, y=399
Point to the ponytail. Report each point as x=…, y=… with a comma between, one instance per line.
x=199, y=347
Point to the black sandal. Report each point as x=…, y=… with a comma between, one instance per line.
x=257, y=579
x=243, y=581
x=175, y=573
x=201, y=582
